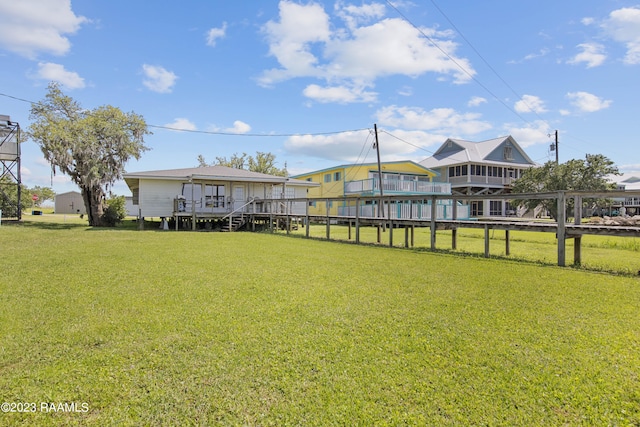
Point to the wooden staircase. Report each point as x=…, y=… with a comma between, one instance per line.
x=234, y=225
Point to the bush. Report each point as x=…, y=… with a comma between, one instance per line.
x=114, y=211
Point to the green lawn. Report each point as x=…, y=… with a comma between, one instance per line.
x=184, y=328
x=599, y=253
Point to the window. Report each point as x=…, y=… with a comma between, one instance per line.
x=476, y=208
x=327, y=177
x=309, y=179
x=508, y=153
x=214, y=196
x=337, y=176
x=495, y=207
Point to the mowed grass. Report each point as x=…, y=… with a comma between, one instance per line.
x=613, y=254
x=184, y=328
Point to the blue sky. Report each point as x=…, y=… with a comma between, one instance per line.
x=306, y=80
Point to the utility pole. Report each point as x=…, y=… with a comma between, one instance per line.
x=377, y=144
x=557, y=148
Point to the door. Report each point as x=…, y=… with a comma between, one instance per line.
x=238, y=197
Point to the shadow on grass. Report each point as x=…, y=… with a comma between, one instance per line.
x=45, y=225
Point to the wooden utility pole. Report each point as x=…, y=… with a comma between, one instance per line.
x=380, y=210
x=557, y=156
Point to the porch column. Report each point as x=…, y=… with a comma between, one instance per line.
x=193, y=206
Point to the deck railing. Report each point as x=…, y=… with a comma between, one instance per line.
x=390, y=186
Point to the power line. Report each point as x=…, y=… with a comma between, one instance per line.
x=471, y=76
x=222, y=133
x=487, y=62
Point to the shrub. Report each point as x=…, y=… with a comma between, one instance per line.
x=114, y=211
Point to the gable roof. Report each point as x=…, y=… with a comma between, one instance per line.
x=213, y=173
x=630, y=181
x=457, y=151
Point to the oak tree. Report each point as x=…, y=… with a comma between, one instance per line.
x=90, y=146
x=589, y=174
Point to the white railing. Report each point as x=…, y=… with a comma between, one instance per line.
x=406, y=211
x=482, y=180
x=372, y=185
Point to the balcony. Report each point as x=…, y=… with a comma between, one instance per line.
x=371, y=187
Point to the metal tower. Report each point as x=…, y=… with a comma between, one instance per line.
x=10, y=181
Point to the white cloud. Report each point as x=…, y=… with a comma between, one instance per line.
x=181, y=123
x=530, y=104
x=30, y=27
x=343, y=147
x=623, y=25
x=339, y=94
x=532, y=134
x=587, y=21
x=592, y=54
x=586, y=102
x=358, y=15
x=445, y=121
x=57, y=73
x=306, y=44
x=157, y=79
x=216, y=33
x=476, y=101
x=239, y=127
x=351, y=147
x=290, y=40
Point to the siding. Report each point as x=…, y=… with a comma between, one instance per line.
x=156, y=197
x=69, y=203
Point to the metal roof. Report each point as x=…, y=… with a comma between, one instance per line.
x=215, y=173
x=469, y=151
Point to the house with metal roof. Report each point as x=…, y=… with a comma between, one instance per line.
x=204, y=196
x=485, y=167
x=625, y=182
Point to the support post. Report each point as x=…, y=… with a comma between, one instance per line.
x=577, y=220
x=306, y=219
x=561, y=203
x=486, y=241
x=287, y=220
x=357, y=220
x=271, y=216
x=454, y=229
x=434, y=214
x=507, y=243
x=390, y=223
x=406, y=237
x=193, y=208
x=328, y=221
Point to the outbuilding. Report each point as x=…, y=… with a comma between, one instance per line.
x=69, y=203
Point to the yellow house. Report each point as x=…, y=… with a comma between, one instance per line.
x=362, y=180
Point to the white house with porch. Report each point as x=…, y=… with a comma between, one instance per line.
x=207, y=195
x=481, y=168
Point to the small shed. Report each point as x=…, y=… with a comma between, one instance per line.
x=69, y=203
